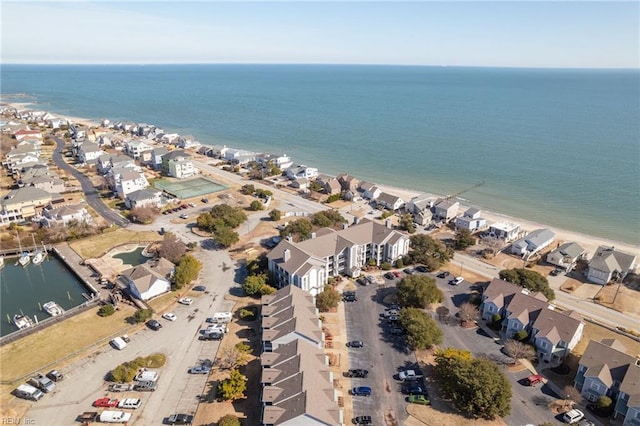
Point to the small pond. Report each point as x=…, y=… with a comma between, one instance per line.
x=133, y=258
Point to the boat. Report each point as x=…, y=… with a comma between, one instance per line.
x=24, y=258
x=1, y=262
x=22, y=321
x=53, y=309
x=40, y=254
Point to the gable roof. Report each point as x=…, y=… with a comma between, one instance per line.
x=608, y=259
x=539, y=237
x=177, y=154
x=571, y=250
x=388, y=199
x=143, y=194
x=606, y=360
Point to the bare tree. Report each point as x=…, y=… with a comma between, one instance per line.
x=232, y=357
x=172, y=248
x=144, y=214
x=468, y=312
x=443, y=312
x=519, y=350
x=571, y=396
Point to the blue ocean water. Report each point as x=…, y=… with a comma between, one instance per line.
x=555, y=146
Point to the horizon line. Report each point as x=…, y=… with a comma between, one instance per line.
x=312, y=64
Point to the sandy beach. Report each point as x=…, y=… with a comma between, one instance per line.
x=589, y=243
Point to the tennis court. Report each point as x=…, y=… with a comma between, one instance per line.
x=189, y=188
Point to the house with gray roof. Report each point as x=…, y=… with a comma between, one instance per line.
x=297, y=387
x=146, y=197
x=156, y=156
x=609, y=264
x=24, y=203
x=309, y=264
x=532, y=243
x=471, y=220
x=445, y=209
x=332, y=186
x=553, y=333
x=389, y=201
x=52, y=184
x=607, y=369
x=369, y=190
x=148, y=280
x=88, y=153
x=566, y=255
x=57, y=216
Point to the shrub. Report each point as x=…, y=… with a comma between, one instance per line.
x=247, y=314
x=126, y=371
x=229, y=420
x=233, y=387
x=327, y=300
x=275, y=215
x=496, y=318
x=521, y=335
x=333, y=198
x=603, y=402
x=385, y=266
x=142, y=315
x=106, y=310
x=256, y=205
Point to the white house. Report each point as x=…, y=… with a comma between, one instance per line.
x=147, y=197
x=389, y=201
x=130, y=181
x=52, y=184
x=181, y=168
x=27, y=134
x=148, y=280
x=533, y=243
x=135, y=148
x=88, y=153
x=609, y=264
x=297, y=172
x=445, y=209
x=239, y=156
x=369, y=190
x=504, y=231
x=471, y=220
x=566, y=255
x=53, y=216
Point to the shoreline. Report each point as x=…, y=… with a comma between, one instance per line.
x=588, y=242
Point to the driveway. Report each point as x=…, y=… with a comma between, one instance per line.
x=89, y=190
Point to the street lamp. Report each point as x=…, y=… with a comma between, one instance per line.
x=461, y=265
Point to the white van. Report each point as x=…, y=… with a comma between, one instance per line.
x=28, y=392
x=573, y=416
x=115, y=417
x=222, y=317
x=130, y=403
x=119, y=343
x=146, y=376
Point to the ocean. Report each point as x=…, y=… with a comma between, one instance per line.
x=556, y=146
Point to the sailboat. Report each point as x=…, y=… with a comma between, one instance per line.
x=40, y=254
x=24, y=258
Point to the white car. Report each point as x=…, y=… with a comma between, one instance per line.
x=456, y=281
x=185, y=301
x=170, y=316
x=573, y=416
x=184, y=216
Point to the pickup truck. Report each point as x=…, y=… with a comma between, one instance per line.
x=410, y=375
x=533, y=380
x=120, y=387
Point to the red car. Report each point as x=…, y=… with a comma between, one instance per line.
x=397, y=274
x=105, y=402
x=534, y=380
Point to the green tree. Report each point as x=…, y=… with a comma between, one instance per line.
x=299, y=229
x=528, y=279
x=604, y=402
x=422, y=330
x=186, y=271
x=315, y=186
x=142, y=315
x=328, y=299
x=263, y=193
x=231, y=216
x=406, y=223
x=475, y=385
x=255, y=206
x=429, y=252
x=418, y=291
x=229, y=420
x=333, y=198
x=233, y=387
x=328, y=218
x=463, y=239
x=521, y=335
x=257, y=266
x=226, y=236
x=275, y=215
x=248, y=189
x=106, y=310
x=253, y=285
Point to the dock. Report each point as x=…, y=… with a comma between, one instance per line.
x=76, y=264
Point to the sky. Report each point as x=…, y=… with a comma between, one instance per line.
x=562, y=34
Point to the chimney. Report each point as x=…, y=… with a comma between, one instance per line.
x=289, y=238
x=356, y=220
x=345, y=226
x=313, y=235
x=387, y=223
x=286, y=255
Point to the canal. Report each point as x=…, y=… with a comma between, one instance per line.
x=25, y=290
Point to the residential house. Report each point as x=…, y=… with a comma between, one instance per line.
x=504, y=231
x=369, y=190
x=445, y=210
x=471, y=220
x=51, y=184
x=290, y=314
x=33, y=172
x=27, y=134
x=420, y=206
x=389, y=201
x=566, y=255
x=239, y=156
x=205, y=150
x=297, y=172
x=329, y=253
x=130, y=181
x=219, y=151
x=553, y=333
x=532, y=243
x=88, y=153
x=64, y=215
x=348, y=182
x=148, y=280
x=177, y=163
x=24, y=203
x=332, y=187
x=297, y=387
x=146, y=197
x=280, y=161
x=107, y=162
x=170, y=138
x=156, y=156
x=187, y=142
x=136, y=148
x=609, y=264
x=607, y=369
x=302, y=184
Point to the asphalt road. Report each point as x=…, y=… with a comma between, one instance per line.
x=90, y=192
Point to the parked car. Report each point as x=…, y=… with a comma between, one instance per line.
x=397, y=331
x=572, y=416
x=205, y=200
x=357, y=372
x=533, y=380
x=390, y=276
x=180, y=419
x=106, y=402
x=371, y=279
x=169, y=316
x=586, y=422
x=422, y=268
x=184, y=216
x=200, y=288
x=120, y=387
x=443, y=274
x=130, y=403
x=414, y=390
x=556, y=272
x=362, y=420
x=410, y=375
x=409, y=271
x=191, y=204
x=349, y=298
x=185, y=301
x=361, y=391
x=355, y=344
x=154, y=325
x=418, y=399
x=55, y=375
x=200, y=369
x=456, y=281
x=396, y=274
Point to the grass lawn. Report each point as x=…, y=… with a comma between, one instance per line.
x=98, y=245
x=64, y=339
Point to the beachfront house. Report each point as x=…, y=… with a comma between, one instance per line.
x=369, y=190
x=178, y=164
x=239, y=156
x=348, y=182
x=24, y=203
x=609, y=264
x=566, y=255
x=135, y=148
x=146, y=197
x=532, y=243
x=64, y=215
x=297, y=172
x=445, y=210
x=471, y=220
x=420, y=206
x=607, y=369
x=301, y=184
x=329, y=253
x=332, y=186
x=156, y=156
x=389, y=201
x=504, y=231
x=553, y=333
x=148, y=280
x=188, y=142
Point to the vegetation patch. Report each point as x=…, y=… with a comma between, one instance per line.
x=126, y=371
x=98, y=245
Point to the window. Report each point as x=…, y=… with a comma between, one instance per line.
x=595, y=386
